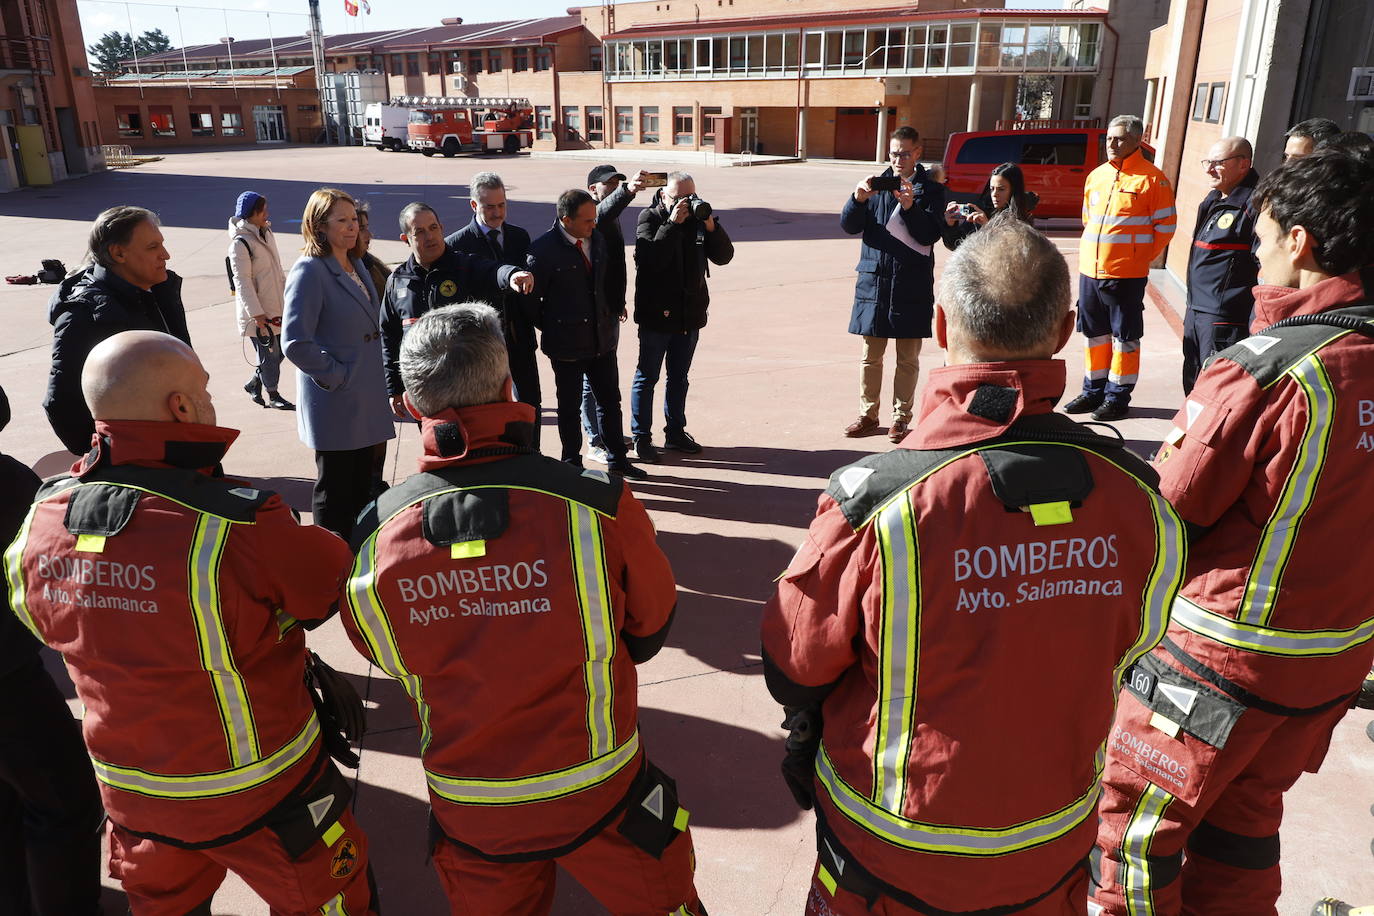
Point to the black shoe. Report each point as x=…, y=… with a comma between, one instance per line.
x=623, y=467
x=1111, y=411
x=1330, y=906
x=1088, y=400
x=1365, y=698
x=644, y=450
x=254, y=389
x=681, y=441
x=575, y=461
x=277, y=402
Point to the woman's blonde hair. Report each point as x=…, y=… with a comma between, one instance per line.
x=315, y=217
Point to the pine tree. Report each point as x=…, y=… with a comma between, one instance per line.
x=115, y=47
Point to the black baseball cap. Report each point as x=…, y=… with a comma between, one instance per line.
x=603, y=173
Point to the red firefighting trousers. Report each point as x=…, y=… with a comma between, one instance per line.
x=1069, y=899
x=624, y=878
x=164, y=880
x=1226, y=807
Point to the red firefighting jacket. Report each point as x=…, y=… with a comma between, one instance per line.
x=174, y=596
x=1270, y=455
x=967, y=605
x=512, y=596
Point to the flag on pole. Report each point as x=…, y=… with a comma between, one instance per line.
x=367, y=7
x=350, y=7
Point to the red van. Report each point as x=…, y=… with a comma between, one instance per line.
x=1056, y=162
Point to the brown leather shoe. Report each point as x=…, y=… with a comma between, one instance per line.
x=864, y=426
x=898, y=430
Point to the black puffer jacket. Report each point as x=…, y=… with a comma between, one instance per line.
x=18, y=484
x=89, y=306
x=671, y=268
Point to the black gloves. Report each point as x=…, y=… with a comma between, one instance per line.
x=803, y=740
x=338, y=707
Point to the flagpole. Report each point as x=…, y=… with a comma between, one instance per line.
x=317, y=47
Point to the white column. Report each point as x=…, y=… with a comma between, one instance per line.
x=880, y=154
x=801, y=132
x=974, y=101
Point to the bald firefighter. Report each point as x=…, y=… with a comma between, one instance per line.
x=1128, y=220
x=950, y=638
x=177, y=598
x=1270, y=638
x=513, y=595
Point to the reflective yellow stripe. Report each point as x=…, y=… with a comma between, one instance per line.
x=334, y=907
x=598, y=629
x=1134, y=875
x=1171, y=556
x=365, y=605
x=941, y=838
x=1269, y=640
x=1281, y=530
x=14, y=575
x=899, y=635
x=231, y=696
x=210, y=785
x=540, y=787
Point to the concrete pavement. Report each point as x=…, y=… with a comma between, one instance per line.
x=773, y=386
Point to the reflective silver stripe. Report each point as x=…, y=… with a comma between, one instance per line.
x=1171, y=555
x=14, y=574
x=1148, y=238
x=594, y=605
x=1103, y=239
x=474, y=791
x=231, y=695
x=1163, y=213
x=1269, y=640
x=211, y=785
x=1110, y=220
x=1281, y=530
x=899, y=635
x=366, y=607
x=1134, y=874
x=1166, y=230
x=940, y=838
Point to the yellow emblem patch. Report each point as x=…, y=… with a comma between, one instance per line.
x=448, y=289
x=345, y=860
x=1226, y=221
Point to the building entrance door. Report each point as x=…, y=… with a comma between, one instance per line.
x=748, y=129
x=269, y=123
x=856, y=133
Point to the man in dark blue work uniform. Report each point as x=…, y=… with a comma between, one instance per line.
x=1221, y=266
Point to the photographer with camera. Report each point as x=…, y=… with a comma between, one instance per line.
x=1005, y=191
x=898, y=214
x=677, y=235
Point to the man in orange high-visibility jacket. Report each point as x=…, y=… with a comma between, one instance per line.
x=1128, y=219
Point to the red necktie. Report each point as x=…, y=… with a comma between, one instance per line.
x=582, y=251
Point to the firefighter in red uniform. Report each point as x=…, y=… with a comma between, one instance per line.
x=512, y=595
x=957, y=623
x=177, y=598
x=1269, y=639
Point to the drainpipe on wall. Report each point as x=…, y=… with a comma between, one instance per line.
x=801, y=111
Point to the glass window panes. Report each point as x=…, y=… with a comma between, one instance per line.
x=813, y=48
x=202, y=123
x=129, y=121
x=755, y=54
x=708, y=125
x=624, y=124
x=916, y=47
x=961, y=45
x=543, y=117
x=989, y=44
x=1089, y=40
x=1054, y=149
x=1014, y=45
x=596, y=123
x=789, y=52
x=737, y=54
x=682, y=125
x=853, y=49
x=990, y=151
x=572, y=122
x=230, y=122
x=772, y=53
x=648, y=124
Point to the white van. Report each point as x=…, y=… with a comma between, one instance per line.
x=384, y=126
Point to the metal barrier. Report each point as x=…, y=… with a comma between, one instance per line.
x=118, y=155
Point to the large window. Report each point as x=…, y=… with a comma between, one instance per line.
x=708, y=125
x=682, y=126
x=543, y=118
x=202, y=122
x=494, y=61
x=572, y=122
x=648, y=124
x=230, y=122
x=543, y=58
x=474, y=62
x=520, y=59
x=624, y=124
x=160, y=120
x=129, y=122
x=596, y=123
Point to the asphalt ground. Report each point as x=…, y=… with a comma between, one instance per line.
x=773, y=386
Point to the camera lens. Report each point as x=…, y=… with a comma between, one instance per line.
x=700, y=208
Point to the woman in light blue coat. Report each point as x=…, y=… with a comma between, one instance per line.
x=331, y=331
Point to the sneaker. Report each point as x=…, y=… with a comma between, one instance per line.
x=623, y=467
x=254, y=389
x=598, y=454
x=681, y=441
x=1111, y=411
x=644, y=450
x=1330, y=906
x=1085, y=402
x=277, y=402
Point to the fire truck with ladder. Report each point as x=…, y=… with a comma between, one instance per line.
x=455, y=124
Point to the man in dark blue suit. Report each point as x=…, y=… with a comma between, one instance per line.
x=580, y=327
x=488, y=235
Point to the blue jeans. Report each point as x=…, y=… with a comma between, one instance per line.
x=656, y=347
x=591, y=424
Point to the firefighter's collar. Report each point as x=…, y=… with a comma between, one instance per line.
x=1274, y=303
x=452, y=435
x=156, y=443
x=977, y=401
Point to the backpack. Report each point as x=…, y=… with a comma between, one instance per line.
x=53, y=271
x=229, y=265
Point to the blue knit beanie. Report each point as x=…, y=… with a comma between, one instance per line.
x=248, y=202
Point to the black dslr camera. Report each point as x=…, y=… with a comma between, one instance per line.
x=698, y=207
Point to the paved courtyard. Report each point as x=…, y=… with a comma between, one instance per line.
x=773, y=386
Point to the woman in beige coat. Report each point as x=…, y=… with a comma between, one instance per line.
x=259, y=294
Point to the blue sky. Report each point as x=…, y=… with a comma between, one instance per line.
x=204, y=21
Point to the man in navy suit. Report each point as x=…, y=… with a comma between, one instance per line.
x=488, y=235
x=580, y=327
